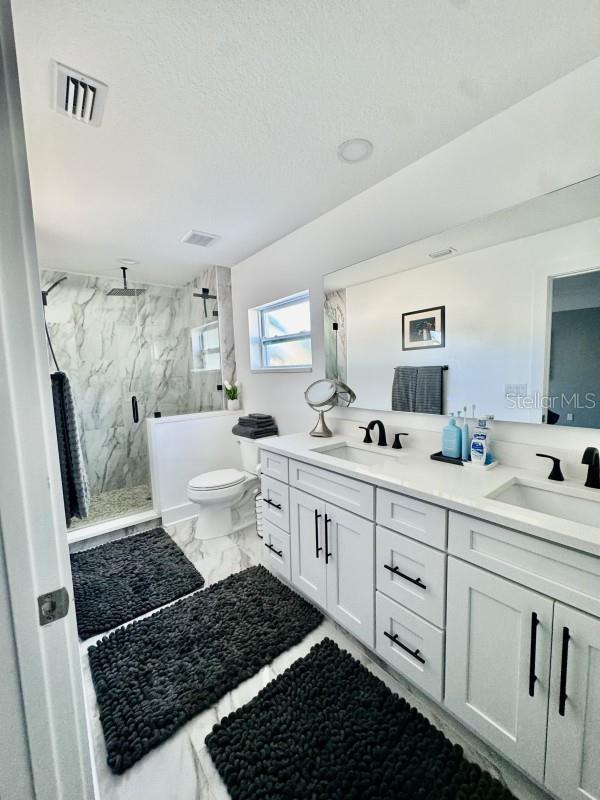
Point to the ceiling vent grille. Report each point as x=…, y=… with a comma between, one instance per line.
x=79, y=96
x=447, y=251
x=200, y=238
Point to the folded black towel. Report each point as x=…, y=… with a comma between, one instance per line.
x=252, y=422
x=260, y=416
x=254, y=433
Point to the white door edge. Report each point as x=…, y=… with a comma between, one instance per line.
x=34, y=542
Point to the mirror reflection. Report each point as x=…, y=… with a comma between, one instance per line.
x=501, y=314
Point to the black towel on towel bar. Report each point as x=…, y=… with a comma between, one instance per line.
x=429, y=390
x=418, y=389
x=404, y=389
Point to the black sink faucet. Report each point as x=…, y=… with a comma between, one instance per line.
x=382, y=442
x=592, y=459
x=556, y=474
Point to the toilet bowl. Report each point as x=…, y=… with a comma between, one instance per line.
x=218, y=491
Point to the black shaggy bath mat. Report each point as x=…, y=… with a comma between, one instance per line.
x=121, y=580
x=156, y=674
x=327, y=729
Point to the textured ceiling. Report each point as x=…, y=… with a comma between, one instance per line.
x=225, y=115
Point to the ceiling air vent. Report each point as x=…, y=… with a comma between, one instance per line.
x=200, y=238
x=448, y=251
x=79, y=96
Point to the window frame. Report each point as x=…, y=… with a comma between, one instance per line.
x=259, y=342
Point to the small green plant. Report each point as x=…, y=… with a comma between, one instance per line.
x=232, y=390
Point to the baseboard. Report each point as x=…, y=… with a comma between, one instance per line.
x=180, y=513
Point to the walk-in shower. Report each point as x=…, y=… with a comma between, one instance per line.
x=132, y=352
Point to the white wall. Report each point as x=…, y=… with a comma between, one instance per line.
x=182, y=447
x=548, y=140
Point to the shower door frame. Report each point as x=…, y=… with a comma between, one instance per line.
x=45, y=737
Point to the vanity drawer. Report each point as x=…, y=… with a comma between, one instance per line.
x=274, y=465
x=345, y=492
x=276, y=502
x=419, y=580
x=422, y=521
x=418, y=649
x=276, y=551
x=560, y=572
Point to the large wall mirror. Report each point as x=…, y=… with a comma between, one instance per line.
x=502, y=313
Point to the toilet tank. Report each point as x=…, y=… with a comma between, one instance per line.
x=248, y=454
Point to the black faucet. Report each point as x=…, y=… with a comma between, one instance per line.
x=556, y=474
x=592, y=459
x=397, y=443
x=367, y=439
x=382, y=442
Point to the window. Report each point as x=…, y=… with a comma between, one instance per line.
x=280, y=334
x=206, y=354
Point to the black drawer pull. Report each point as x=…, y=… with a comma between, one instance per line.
x=414, y=653
x=532, y=651
x=396, y=571
x=271, y=503
x=564, y=661
x=277, y=552
x=328, y=555
x=317, y=548
x=134, y=409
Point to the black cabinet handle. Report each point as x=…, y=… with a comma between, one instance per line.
x=414, y=653
x=134, y=409
x=564, y=660
x=532, y=651
x=396, y=571
x=327, y=553
x=277, y=552
x=271, y=503
x=317, y=548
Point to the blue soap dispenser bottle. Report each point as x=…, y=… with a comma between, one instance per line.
x=451, y=439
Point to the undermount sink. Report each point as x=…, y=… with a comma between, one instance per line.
x=557, y=501
x=358, y=455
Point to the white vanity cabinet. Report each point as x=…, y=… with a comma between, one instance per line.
x=573, y=750
x=332, y=561
x=277, y=550
x=523, y=668
x=501, y=627
x=498, y=638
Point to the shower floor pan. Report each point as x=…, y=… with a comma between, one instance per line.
x=116, y=503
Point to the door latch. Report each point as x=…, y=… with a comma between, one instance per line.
x=53, y=605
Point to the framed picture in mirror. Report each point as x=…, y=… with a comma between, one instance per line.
x=424, y=328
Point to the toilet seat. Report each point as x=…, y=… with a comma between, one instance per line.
x=217, y=479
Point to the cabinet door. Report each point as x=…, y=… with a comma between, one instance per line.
x=498, y=637
x=307, y=515
x=350, y=550
x=573, y=756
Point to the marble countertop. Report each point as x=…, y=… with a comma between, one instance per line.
x=465, y=489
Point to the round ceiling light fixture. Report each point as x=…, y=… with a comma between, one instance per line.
x=354, y=150
x=127, y=262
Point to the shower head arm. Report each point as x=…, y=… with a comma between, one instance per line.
x=46, y=292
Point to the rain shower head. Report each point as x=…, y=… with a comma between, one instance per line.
x=125, y=291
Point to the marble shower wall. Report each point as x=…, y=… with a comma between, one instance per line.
x=335, y=342
x=113, y=348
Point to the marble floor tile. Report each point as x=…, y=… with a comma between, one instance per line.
x=181, y=768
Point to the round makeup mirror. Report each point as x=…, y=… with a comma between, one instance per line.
x=322, y=396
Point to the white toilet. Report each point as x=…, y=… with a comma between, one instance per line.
x=217, y=492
